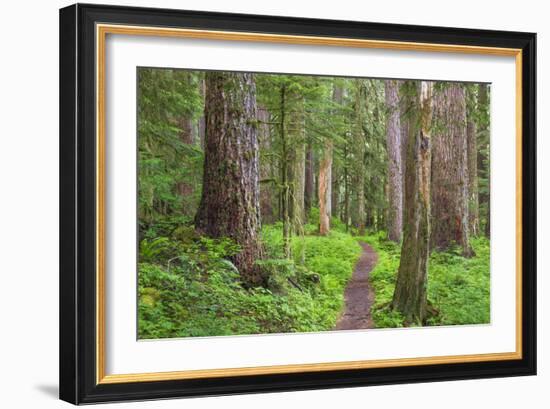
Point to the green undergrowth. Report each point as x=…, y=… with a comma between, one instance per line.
x=458, y=287
x=187, y=286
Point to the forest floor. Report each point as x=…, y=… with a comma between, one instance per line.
x=359, y=295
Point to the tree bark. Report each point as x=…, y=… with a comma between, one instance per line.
x=450, y=170
x=410, y=296
x=395, y=173
x=229, y=204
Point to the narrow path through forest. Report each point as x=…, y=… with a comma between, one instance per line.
x=359, y=295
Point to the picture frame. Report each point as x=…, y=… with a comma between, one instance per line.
x=83, y=180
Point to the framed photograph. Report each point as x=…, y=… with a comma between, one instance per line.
x=257, y=203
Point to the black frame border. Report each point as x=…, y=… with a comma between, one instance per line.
x=78, y=210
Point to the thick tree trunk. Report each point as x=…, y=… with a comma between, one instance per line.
x=410, y=296
x=395, y=173
x=450, y=170
x=473, y=189
x=229, y=205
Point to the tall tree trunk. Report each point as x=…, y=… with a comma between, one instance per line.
x=395, y=172
x=230, y=202
x=309, y=187
x=473, y=189
x=410, y=296
x=450, y=170
x=359, y=141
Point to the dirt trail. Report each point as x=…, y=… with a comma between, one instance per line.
x=359, y=295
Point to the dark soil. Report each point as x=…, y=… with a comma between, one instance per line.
x=359, y=295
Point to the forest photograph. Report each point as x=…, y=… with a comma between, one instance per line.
x=281, y=203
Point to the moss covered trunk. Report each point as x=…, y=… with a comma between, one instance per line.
x=229, y=204
x=412, y=278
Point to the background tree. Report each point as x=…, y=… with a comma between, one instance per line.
x=187, y=122
x=297, y=165
x=395, y=172
x=483, y=148
x=170, y=160
x=325, y=173
x=359, y=154
x=309, y=188
x=288, y=99
x=473, y=180
x=229, y=205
